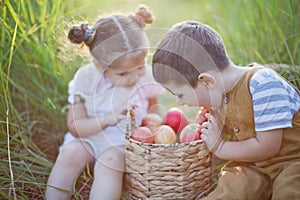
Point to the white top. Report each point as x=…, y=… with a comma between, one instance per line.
x=102, y=97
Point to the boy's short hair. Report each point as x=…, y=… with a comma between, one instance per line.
x=187, y=50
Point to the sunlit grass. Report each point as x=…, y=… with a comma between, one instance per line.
x=37, y=62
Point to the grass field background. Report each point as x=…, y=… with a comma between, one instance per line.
x=37, y=61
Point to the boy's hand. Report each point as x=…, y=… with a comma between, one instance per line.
x=211, y=131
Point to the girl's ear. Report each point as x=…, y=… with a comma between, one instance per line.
x=207, y=80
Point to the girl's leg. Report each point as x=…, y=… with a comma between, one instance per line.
x=70, y=161
x=108, y=175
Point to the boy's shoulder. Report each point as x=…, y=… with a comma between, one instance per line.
x=268, y=79
x=265, y=74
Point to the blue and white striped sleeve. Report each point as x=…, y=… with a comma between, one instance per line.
x=274, y=100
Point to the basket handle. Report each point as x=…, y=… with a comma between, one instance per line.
x=130, y=121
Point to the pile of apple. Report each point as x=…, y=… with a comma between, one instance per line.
x=174, y=127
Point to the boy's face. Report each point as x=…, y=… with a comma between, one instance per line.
x=190, y=96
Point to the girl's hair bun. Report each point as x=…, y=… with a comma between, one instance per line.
x=81, y=33
x=142, y=16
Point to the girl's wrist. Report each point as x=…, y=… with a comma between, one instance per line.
x=105, y=121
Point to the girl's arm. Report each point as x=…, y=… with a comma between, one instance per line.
x=264, y=146
x=81, y=126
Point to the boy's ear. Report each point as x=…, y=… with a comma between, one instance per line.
x=207, y=80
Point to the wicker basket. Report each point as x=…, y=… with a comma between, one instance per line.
x=167, y=171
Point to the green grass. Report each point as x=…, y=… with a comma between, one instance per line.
x=263, y=31
x=37, y=62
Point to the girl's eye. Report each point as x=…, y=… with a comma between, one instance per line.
x=179, y=96
x=123, y=74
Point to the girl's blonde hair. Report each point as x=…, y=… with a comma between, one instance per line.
x=115, y=35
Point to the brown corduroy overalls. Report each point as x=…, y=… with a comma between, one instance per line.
x=276, y=178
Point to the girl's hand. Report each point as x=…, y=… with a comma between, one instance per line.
x=211, y=131
x=115, y=117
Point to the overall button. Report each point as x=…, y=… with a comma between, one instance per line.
x=236, y=128
x=226, y=100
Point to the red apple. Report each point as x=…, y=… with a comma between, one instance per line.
x=152, y=121
x=200, y=118
x=164, y=135
x=176, y=119
x=190, y=133
x=143, y=134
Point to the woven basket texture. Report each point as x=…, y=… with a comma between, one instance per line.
x=167, y=171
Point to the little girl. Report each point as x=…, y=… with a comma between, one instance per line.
x=100, y=94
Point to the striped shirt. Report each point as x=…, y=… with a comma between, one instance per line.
x=274, y=100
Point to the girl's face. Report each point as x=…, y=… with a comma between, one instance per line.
x=126, y=71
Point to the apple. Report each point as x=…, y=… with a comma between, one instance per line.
x=152, y=121
x=164, y=135
x=176, y=119
x=190, y=133
x=143, y=134
x=200, y=118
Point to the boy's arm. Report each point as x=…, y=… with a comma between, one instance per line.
x=81, y=126
x=264, y=146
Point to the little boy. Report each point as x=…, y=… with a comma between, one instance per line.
x=254, y=105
